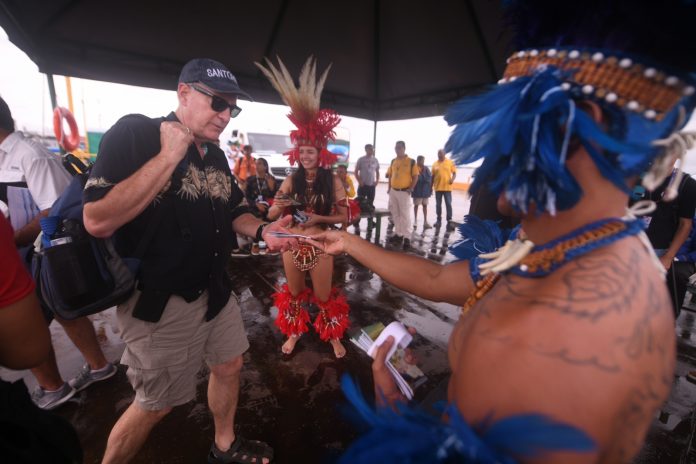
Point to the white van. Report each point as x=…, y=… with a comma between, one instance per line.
x=271, y=148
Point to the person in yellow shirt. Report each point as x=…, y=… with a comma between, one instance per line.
x=342, y=173
x=444, y=173
x=403, y=176
x=351, y=203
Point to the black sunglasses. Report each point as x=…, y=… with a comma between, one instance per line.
x=218, y=104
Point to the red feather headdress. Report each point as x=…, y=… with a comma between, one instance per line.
x=315, y=127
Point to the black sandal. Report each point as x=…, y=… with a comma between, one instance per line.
x=242, y=451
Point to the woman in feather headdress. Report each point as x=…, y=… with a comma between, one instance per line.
x=312, y=195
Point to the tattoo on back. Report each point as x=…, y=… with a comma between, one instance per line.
x=591, y=287
x=614, y=300
x=589, y=293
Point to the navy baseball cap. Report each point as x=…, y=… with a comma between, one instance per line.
x=213, y=74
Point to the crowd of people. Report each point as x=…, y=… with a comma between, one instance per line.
x=575, y=299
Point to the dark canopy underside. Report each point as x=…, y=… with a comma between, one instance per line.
x=392, y=59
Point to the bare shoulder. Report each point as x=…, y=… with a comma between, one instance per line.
x=592, y=344
x=338, y=185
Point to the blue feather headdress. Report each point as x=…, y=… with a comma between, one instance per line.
x=525, y=128
x=478, y=236
x=411, y=435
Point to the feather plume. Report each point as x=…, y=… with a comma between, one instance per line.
x=315, y=126
x=408, y=434
x=332, y=320
x=304, y=99
x=292, y=317
x=478, y=236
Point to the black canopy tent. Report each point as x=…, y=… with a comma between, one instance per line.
x=392, y=59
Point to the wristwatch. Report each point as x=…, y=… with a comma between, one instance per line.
x=259, y=231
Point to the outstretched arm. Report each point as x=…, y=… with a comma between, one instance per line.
x=450, y=283
x=281, y=201
x=27, y=234
x=680, y=236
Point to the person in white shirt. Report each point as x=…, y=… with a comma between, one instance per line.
x=29, y=171
x=367, y=175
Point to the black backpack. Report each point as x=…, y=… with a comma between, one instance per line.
x=79, y=274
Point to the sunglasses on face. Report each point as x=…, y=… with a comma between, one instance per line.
x=218, y=104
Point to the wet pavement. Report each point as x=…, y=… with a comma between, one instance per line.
x=294, y=402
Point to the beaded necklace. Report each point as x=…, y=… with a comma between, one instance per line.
x=545, y=259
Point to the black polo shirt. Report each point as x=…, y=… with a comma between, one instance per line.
x=192, y=217
x=664, y=221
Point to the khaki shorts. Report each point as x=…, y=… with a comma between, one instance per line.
x=164, y=357
x=420, y=201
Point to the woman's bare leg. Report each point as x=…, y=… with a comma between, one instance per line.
x=321, y=276
x=296, y=284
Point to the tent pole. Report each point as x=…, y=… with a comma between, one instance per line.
x=374, y=134
x=52, y=90
x=54, y=100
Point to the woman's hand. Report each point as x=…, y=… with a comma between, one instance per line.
x=262, y=206
x=281, y=200
x=331, y=242
x=314, y=219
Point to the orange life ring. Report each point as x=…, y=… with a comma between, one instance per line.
x=71, y=142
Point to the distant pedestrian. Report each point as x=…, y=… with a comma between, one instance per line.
x=422, y=192
x=342, y=173
x=402, y=175
x=244, y=167
x=232, y=153
x=367, y=174
x=444, y=173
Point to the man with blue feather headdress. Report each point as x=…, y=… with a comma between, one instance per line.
x=565, y=348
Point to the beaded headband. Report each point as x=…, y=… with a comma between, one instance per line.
x=522, y=127
x=617, y=80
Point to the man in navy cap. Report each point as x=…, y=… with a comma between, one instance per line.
x=169, y=175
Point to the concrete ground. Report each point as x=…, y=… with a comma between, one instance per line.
x=294, y=402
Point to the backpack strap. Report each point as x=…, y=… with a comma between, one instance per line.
x=74, y=165
x=394, y=159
